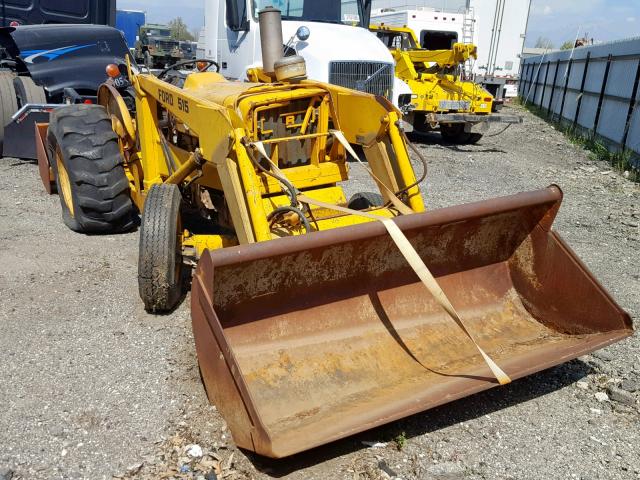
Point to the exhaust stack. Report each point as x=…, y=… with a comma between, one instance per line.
x=274, y=63
x=270, y=38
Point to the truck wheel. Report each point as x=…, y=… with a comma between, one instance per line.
x=28, y=92
x=147, y=60
x=86, y=161
x=364, y=200
x=160, y=252
x=419, y=123
x=8, y=102
x=454, y=133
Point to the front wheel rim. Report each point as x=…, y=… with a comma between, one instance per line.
x=64, y=183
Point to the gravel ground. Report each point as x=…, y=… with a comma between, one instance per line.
x=93, y=387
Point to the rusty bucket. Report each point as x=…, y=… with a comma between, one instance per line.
x=305, y=340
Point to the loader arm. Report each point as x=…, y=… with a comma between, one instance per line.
x=210, y=122
x=207, y=121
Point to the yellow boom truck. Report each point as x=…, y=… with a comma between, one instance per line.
x=315, y=317
x=440, y=99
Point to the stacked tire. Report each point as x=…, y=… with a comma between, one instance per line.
x=8, y=101
x=27, y=91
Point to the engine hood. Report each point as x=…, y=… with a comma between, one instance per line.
x=61, y=56
x=330, y=42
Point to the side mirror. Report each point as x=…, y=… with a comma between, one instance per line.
x=237, y=19
x=303, y=33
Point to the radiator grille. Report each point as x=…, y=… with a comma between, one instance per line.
x=370, y=77
x=167, y=45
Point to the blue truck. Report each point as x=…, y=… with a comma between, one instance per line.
x=129, y=23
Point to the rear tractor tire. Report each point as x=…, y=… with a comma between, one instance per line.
x=160, y=253
x=90, y=177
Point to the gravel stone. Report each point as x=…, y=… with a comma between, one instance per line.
x=602, y=397
x=603, y=355
x=630, y=385
x=447, y=471
x=621, y=396
x=6, y=473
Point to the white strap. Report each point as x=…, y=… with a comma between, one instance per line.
x=402, y=208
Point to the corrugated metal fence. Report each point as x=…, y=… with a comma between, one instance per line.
x=594, y=89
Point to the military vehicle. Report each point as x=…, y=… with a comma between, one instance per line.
x=155, y=48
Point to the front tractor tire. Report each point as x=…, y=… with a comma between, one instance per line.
x=160, y=253
x=92, y=184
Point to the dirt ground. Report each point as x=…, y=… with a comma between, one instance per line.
x=93, y=387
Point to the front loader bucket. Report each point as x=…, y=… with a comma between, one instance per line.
x=305, y=340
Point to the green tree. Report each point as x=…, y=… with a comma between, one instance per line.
x=544, y=42
x=180, y=30
x=568, y=45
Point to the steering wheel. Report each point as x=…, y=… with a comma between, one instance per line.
x=175, y=66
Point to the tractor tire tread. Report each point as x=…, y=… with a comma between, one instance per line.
x=90, y=150
x=158, y=287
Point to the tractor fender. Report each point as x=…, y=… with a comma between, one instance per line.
x=111, y=99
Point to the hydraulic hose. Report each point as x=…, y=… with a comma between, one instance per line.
x=292, y=191
x=289, y=209
x=424, y=166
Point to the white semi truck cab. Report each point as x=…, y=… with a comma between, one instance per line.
x=339, y=49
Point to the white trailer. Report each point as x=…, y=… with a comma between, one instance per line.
x=435, y=29
x=340, y=49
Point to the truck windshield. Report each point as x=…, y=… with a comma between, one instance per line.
x=396, y=40
x=157, y=32
x=350, y=12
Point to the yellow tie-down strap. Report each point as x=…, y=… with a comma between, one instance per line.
x=405, y=247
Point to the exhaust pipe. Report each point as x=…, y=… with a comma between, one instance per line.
x=270, y=38
x=274, y=63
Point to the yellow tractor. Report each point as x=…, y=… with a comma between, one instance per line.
x=314, y=316
x=440, y=98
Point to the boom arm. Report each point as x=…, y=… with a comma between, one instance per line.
x=411, y=63
x=459, y=53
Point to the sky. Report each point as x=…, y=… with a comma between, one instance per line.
x=604, y=20
x=556, y=20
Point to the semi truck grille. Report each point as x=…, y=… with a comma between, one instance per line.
x=370, y=77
